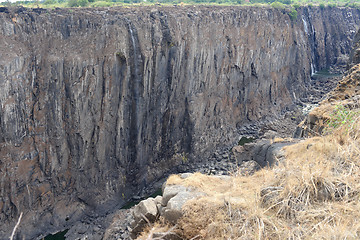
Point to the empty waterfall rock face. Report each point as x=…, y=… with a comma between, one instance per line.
x=98, y=103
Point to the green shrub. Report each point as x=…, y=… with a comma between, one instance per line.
x=102, y=4
x=331, y=5
x=354, y=5
x=277, y=5
x=244, y=140
x=48, y=2
x=293, y=14
x=296, y=5
x=342, y=116
x=287, y=2
x=83, y=3
x=322, y=5
x=73, y=3
x=78, y=3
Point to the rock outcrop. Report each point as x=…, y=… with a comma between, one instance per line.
x=264, y=152
x=169, y=205
x=98, y=103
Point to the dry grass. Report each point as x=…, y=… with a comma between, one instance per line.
x=152, y=232
x=279, y=139
x=314, y=194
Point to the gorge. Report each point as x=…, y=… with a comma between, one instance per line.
x=96, y=104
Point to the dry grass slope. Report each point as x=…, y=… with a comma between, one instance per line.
x=314, y=194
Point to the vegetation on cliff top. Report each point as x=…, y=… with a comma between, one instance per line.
x=108, y=3
x=313, y=194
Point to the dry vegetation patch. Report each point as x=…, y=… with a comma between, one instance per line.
x=313, y=194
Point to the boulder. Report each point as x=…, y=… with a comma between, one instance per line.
x=169, y=206
x=146, y=210
x=264, y=152
x=172, y=215
x=248, y=168
x=169, y=191
x=144, y=213
x=174, y=198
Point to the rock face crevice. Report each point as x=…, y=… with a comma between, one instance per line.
x=98, y=103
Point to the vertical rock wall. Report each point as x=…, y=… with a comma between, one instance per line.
x=98, y=103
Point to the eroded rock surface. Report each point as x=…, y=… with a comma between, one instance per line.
x=98, y=103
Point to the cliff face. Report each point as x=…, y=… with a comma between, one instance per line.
x=97, y=103
x=344, y=97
